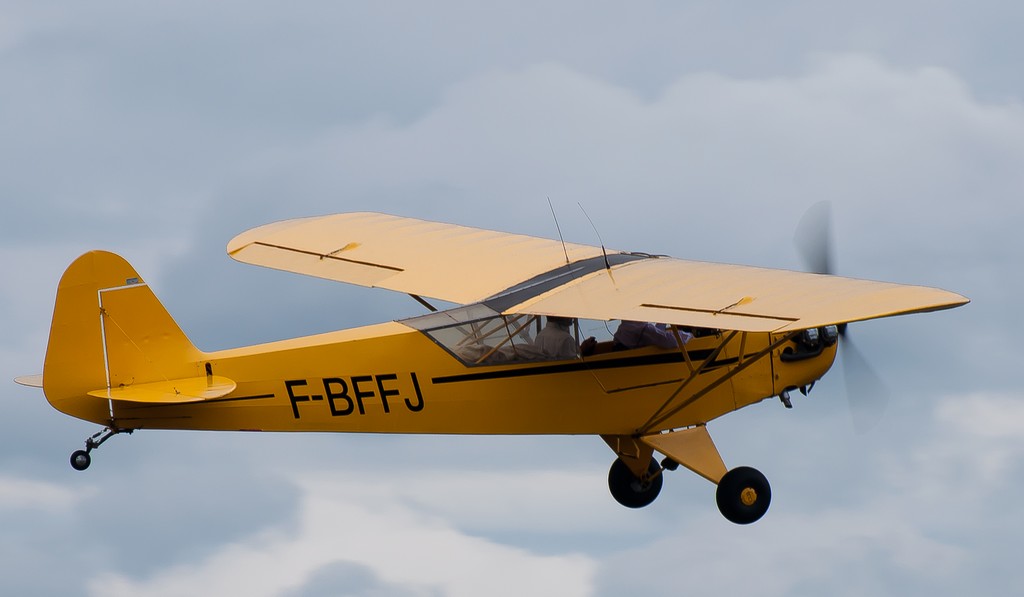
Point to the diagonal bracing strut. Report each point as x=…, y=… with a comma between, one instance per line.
x=660, y=416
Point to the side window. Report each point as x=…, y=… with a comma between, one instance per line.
x=500, y=339
x=601, y=331
x=477, y=335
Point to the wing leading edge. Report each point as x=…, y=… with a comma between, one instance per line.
x=523, y=274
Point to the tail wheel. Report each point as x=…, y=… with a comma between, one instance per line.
x=743, y=495
x=80, y=460
x=631, y=491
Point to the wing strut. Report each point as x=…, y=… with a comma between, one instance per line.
x=646, y=427
x=686, y=355
x=660, y=416
x=423, y=301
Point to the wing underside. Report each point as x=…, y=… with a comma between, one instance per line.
x=514, y=273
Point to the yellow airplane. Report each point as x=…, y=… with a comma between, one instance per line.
x=736, y=336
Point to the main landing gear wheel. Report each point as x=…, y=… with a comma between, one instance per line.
x=743, y=495
x=80, y=460
x=633, y=492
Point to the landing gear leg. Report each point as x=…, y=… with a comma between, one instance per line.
x=80, y=459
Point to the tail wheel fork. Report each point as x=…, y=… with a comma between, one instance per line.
x=80, y=459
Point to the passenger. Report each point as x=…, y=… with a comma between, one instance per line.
x=635, y=334
x=556, y=342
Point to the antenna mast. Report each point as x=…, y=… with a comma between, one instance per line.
x=599, y=239
x=559, y=229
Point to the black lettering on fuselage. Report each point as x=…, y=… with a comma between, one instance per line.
x=345, y=396
x=419, y=396
x=332, y=396
x=385, y=392
x=294, y=399
x=360, y=393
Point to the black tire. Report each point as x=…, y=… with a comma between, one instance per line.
x=743, y=495
x=80, y=460
x=630, y=491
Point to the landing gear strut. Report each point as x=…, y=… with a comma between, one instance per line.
x=743, y=493
x=632, y=491
x=80, y=459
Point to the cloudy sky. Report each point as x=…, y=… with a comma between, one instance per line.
x=702, y=130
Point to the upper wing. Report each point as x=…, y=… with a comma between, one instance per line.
x=514, y=273
x=733, y=297
x=442, y=261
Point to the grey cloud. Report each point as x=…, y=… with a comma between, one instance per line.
x=341, y=579
x=907, y=510
x=137, y=511
x=157, y=516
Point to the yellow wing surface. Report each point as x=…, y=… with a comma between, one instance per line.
x=442, y=261
x=748, y=299
x=514, y=273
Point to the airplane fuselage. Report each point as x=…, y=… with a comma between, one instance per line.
x=390, y=378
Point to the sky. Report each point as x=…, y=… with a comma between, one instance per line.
x=701, y=130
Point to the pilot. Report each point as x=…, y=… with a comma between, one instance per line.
x=555, y=340
x=635, y=334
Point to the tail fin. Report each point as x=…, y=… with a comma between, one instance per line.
x=109, y=331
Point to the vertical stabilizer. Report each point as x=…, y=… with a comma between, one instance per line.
x=109, y=331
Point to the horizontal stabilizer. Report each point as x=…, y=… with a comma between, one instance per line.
x=32, y=381
x=176, y=391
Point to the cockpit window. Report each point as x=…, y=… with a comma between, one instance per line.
x=477, y=335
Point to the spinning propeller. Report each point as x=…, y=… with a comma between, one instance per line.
x=867, y=394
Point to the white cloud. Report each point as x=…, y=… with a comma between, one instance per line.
x=25, y=494
x=920, y=525
x=932, y=512
x=975, y=452
x=851, y=552
x=544, y=501
x=898, y=149
x=353, y=519
x=987, y=416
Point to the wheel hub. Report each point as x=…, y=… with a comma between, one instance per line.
x=748, y=496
